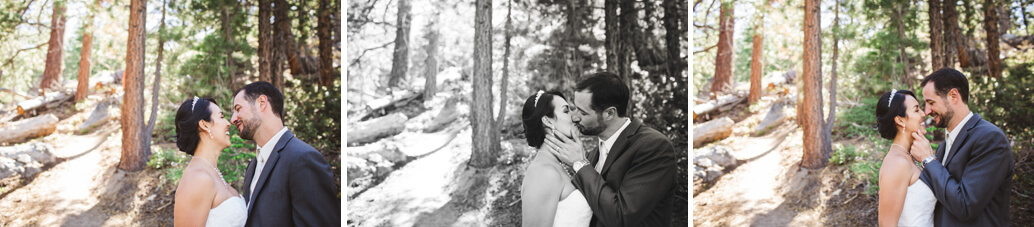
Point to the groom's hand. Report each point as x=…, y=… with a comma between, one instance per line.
x=567, y=150
x=920, y=147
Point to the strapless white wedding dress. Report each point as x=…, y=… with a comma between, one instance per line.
x=231, y=212
x=919, y=205
x=573, y=211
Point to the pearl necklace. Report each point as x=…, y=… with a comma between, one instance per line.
x=216, y=171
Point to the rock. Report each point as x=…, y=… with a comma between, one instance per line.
x=718, y=155
x=26, y=159
x=357, y=168
x=10, y=167
x=713, y=130
x=773, y=118
x=100, y=115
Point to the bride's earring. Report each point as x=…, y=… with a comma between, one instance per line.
x=210, y=135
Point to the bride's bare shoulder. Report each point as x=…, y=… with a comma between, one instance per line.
x=895, y=162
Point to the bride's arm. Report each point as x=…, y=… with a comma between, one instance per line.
x=193, y=199
x=894, y=177
x=540, y=194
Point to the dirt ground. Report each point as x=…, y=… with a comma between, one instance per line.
x=83, y=187
x=768, y=188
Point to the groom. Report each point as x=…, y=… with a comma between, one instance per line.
x=630, y=179
x=289, y=183
x=971, y=172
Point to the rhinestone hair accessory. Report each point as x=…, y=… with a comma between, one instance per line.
x=537, y=96
x=193, y=104
x=891, y=98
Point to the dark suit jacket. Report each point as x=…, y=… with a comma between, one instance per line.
x=637, y=184
x=973, y=188
x=295, y=188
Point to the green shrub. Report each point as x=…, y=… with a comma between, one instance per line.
x=843, y=154
x=857, y=121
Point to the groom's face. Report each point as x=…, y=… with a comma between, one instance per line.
x=937, y=106
x=588, y=121
x=245, y=116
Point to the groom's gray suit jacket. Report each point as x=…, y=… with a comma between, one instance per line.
x=295, y=188
x=973, y=187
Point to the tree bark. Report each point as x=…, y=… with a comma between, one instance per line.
x=955, y=40
x=994, y=63
x=827, y=130
x=400, y=58
x=936, y=35
x=723, y=58
x=55, y=49
x=83, y=88
x=815, y=151
x=901, y=47
x=611, y=29
x=501, y=117
x=676, y=64
x=281, y=40
x=265, y=44
x=157, y=80
x=486, y=141
x=228, y=12
x=326, y=46
x=134, y=152
x=431, y=62
x=629, y=34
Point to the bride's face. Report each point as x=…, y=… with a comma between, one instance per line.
x=219, y=127
x=913, y=120
x=562, y=122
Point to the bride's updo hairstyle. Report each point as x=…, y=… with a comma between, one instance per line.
x=189, y=113
x=890, y=105
x=538, y=105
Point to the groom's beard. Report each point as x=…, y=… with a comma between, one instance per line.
x=593, y=131
x=248, y=128
x=944, y=119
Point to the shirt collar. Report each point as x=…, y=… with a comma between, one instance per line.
x=266, y=149
x=614, y=138
x=958, y=128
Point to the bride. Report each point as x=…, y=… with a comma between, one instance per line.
x=203, y=197
x=548, y=197
x=904, y=199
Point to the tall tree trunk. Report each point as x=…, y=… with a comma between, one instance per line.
x=431, y=61
x=723, y=59
x=157, y=80
x=994, y=63
x=265, y=42
x=400, y=58
x=486, y=141
x=281, y=36
x=816, y=154
x=134, y=152
x=55, y=49
x=228, y=38
x=756, y=57
x=936, y=35
x=611, y=30
x=676, y=64
x=629, y=34
x=503, y=87
x=326, y=46
x=83, y=88
x=951, y=25
x=901, y=47
x=827, y=130
x=951, y=33
x=293, y=50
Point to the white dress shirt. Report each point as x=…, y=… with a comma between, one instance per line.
x=952, y=135
x=605, y=146
x=263, y=155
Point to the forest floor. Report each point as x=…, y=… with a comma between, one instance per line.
x=83, y=187
x=768, y=188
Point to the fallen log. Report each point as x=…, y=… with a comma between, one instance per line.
x=29, y=128
x=713, y=130
x=447, y=115
x=99, y=116
x=375, y=129
x=48, y=100
x=383, y=106
x=720, y=104
x=773, y=118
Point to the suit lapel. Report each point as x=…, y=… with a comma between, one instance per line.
x=961, y=138
x=620, y=144
x=249, y=175
x=270, y=163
